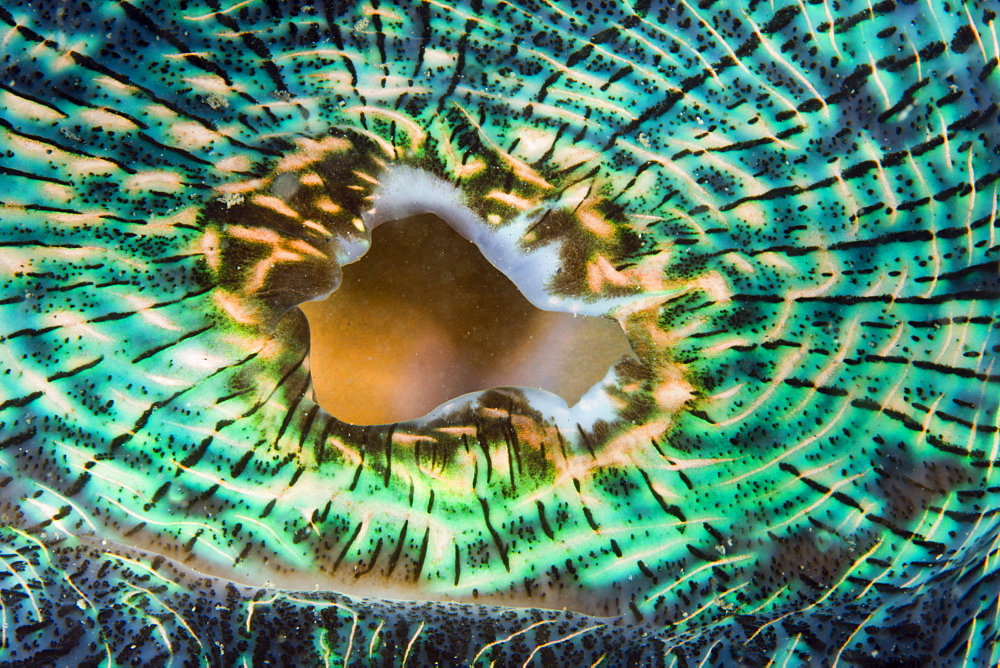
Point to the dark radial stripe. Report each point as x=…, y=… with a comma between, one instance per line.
x=376, y=19
x=159, y=349
x=252, y=42
x=296, y=476
x=670, y=509
x=501, y=547
x=21, y=402
x=292, y=370
x=307, y=427
x=77, y=486
x=422, y=554
x=934, y=366
x=396, y=553
x=75, y=370
x=292, y=410
x=187, y=155
x=989, y=268
x=981, y=428
x=423, y=12
x=543, y=92
x=195, y=456
x=241, y=465
x=357, y=477
x=328, y=426
x=18, y=438
x=37, y=100
x=143, y=19
x=387, y=474
x=543, y=522
x=849, y=300
x=91, y=64
x=33, y=36
x=957, y=320
x=485, y=447
x=63, y=147
x=33, y=176
x=461, y=48
x=122, y=439
x=374, y=559
x=160, y=492
x=70, y=287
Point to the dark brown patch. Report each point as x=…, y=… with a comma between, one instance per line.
x=908, y=486
x=816, y=558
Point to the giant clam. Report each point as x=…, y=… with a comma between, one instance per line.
x=790, y=208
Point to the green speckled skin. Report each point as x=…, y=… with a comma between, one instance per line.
x=791, y=208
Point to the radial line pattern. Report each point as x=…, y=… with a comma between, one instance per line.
x=790, y=208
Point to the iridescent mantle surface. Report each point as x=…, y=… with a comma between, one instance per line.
x=790, y=207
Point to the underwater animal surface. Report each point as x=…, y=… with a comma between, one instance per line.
x=790, y=207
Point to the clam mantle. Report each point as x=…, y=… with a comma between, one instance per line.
x=790, y=208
